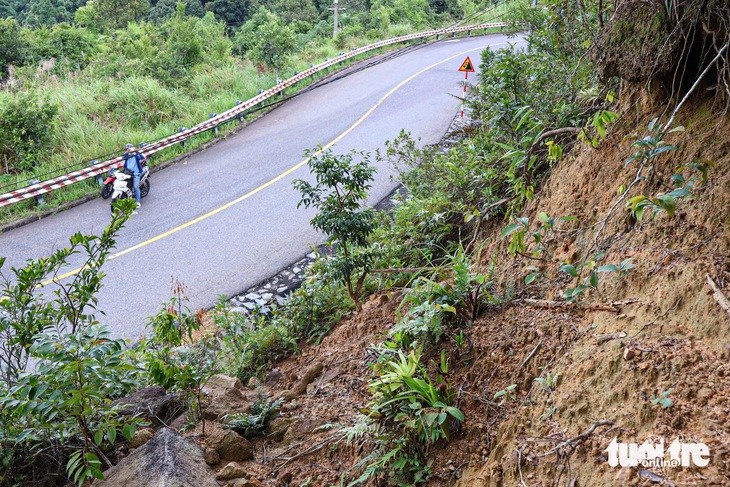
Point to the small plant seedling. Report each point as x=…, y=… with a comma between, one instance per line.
x=507, y=391
x=663, y=399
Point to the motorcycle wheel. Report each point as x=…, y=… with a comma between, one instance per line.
x=144, y=188
x=107, y=190
x=114, y=200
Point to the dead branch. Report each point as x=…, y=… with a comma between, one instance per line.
x=404, y=270
x=309, y=451
x=696, y=83
x=719, y=296
x=603, y=338
x=534, y=351
x=578, y=439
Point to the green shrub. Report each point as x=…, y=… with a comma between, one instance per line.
x=27, y=130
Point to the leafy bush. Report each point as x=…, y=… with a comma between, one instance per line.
x=407, y=413
x=61, y=410
x=340, y=190
x=27, y=129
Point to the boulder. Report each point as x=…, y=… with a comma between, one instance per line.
x=231, y=471
x=228, y=444
x=234, y=447
x=167, y=460
x=153, y=404
x=225, y=395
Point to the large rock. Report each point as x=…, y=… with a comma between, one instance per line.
x=226, y=395
x=234, y=447
x=153, y=404
x=167, y=460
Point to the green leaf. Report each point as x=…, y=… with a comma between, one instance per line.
x=569, y=269
x=509, y=229
x=543, y=217
x=111, y=434
x=455, y=413
x=99, y=437
x=593, y=280
x=607, y=268
x=128, y=430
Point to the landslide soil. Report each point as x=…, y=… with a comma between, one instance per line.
x=658, y=330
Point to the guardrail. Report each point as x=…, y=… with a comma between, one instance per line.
x=38, y=189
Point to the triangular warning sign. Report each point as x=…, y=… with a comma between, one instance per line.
x=467, y=66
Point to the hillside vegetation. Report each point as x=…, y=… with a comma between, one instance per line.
x=553, y=277
x=77, y=85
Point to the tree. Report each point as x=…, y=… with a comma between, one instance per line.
x=339, y=193
x=65, y=400
x=232, y=12
x=11, y=45
x=110, y=15
x=266, y=39
x=45, y=12
x=166, y=8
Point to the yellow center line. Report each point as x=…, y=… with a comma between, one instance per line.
x=271, y=181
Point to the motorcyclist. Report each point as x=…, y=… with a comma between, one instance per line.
x=133, y=162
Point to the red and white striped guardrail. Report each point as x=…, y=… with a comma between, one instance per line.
x=99, y=168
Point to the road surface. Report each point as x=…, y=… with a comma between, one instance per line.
x=226, y=218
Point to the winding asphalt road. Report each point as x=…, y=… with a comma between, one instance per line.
x=226, y=218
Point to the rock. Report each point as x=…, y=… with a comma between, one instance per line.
x=277, y=428
x=273, y=377
x=232, y=446
x=225, y=395
x=153, y=404
x=300, y=428
x=141, y=436
x=629, y=354
x=254, y=383
x=212, y=457
x=252, y=482
x=231, y=471
x=301, y=386
x=167, y=460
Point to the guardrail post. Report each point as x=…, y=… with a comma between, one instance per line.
x=99, y=178
x=468, y=32
x=240, y=115
x=183, y=129
x=38, y=199
x=215, y=129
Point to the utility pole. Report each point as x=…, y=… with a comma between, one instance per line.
x=336, y=11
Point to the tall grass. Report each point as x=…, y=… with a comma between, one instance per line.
x=98, y=116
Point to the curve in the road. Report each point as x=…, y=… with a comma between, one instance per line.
x=273, y=180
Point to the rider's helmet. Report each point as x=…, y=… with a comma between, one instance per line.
x=129, y=147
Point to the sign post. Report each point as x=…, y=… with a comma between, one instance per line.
x=467, y=67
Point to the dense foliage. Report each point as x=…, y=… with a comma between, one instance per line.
x=427, y=247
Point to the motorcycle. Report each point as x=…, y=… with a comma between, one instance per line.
x=123, y=185
x=107, y=188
